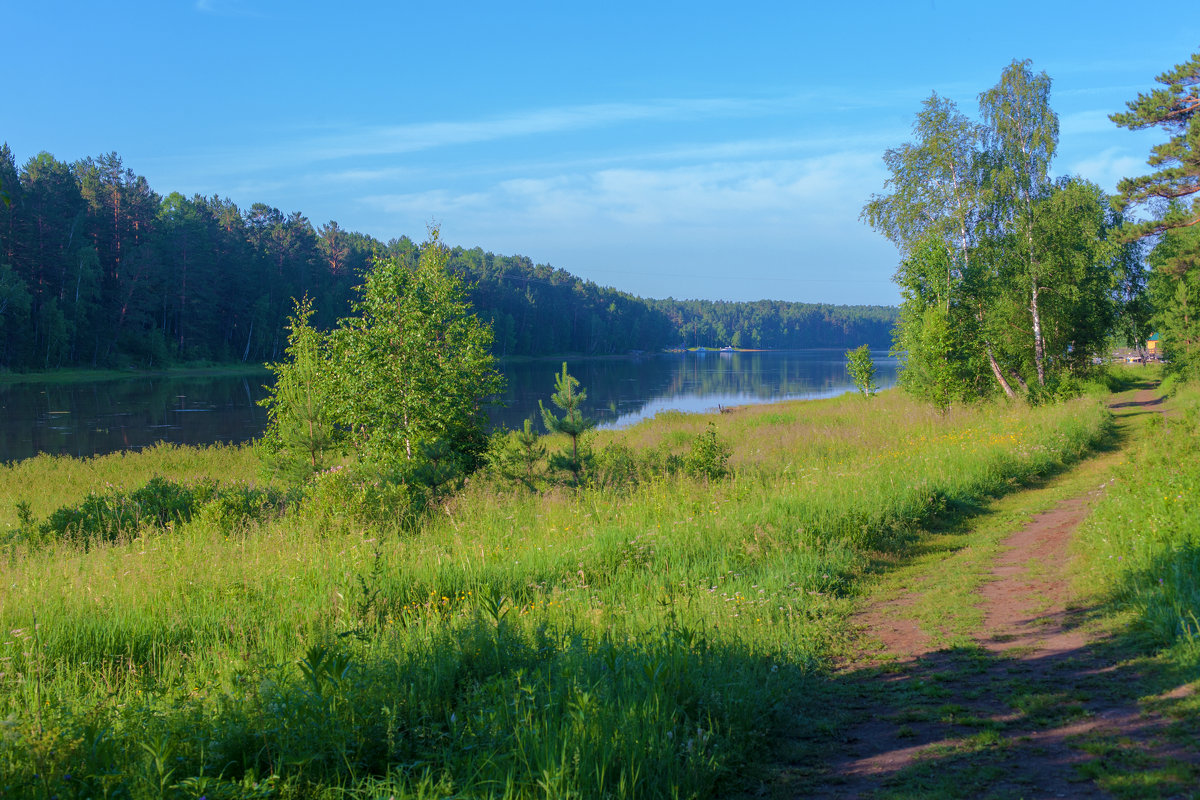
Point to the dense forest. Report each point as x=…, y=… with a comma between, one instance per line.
x=97, y=269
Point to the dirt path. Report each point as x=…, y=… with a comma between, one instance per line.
x=1033, y=704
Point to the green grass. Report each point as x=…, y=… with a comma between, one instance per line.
x=1140, y=551
x=48, y=482
x=947, y=700
x=647, y=642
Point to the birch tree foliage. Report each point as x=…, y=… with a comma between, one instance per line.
x=1080, y=273
x=933, y=188
x=1020, y=138
x=931, y=211
x=1019, y=270
x=401, y=384
x=412, y=366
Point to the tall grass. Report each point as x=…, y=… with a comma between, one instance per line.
x=592, y=643
x=1140, y=549
x=48, y=482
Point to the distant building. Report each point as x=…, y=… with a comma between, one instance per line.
x=1152, y=344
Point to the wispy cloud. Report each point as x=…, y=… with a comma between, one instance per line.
x=401, y=139
x=748, y=218
x=1109, y=166
x=700, y=197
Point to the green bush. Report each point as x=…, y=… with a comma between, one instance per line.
x=615, y=466
x=106, y=515
x=357, y=494
x=709, y=456
x=230, y=507
x=159, y=504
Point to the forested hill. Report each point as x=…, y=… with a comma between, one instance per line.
x=97, y=269
x=537, y=309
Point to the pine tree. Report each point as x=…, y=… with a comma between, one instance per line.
x=1176, y=109
x=1173, y=192
x=569, y=397
x=301, y=438
x=516, y=456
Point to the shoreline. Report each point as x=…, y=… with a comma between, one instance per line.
x=77, y=375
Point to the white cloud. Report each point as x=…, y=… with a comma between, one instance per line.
x=1109, y=166
x=400, y=139
x=785, y=228
x=722, y=229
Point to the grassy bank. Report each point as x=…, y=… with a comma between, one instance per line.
x=1140, y=550
x=624, y=642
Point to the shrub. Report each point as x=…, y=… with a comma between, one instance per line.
x=158, y=504
x=709, y=456
x=352, y=494
x=615, y=466
x=230, y=507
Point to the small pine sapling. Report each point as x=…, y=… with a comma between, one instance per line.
x=301, y=437
x=438, y=465
x=569, y=397
x=516, y=456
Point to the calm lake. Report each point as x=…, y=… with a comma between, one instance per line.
x=85, y=419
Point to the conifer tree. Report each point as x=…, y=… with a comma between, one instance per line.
x=569, y=397
x=517, y=454
x=1176, y=109
x=1173, y=194
x=301, y=437
x=530, y=451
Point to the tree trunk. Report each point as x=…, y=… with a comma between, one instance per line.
x=1039, y=345
x=999, y=375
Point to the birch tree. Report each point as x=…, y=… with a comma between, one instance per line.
x=1020, y=137
x=931, y=210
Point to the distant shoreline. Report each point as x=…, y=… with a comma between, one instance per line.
x=71, y=375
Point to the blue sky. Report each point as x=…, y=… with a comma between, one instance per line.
x=668, y=149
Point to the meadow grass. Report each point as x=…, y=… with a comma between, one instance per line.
x=632, y=642
x=1140, y=549
x=47, y=482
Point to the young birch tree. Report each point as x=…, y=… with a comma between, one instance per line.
x=931, y=211
x=1020, y=136
x=413, y=366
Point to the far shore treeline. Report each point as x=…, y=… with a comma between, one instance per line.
x=99, y=270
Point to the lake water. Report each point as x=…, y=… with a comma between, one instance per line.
x=85, y=419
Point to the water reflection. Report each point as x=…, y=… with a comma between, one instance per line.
x=622, y=392
x=85, y=419
x=94, y=418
